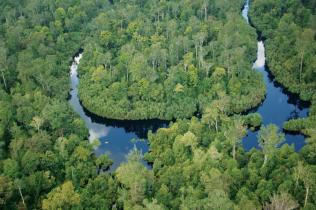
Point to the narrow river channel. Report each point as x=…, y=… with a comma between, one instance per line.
x=279, y=105
x=119, y=137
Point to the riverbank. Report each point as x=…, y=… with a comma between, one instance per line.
x=280, y=105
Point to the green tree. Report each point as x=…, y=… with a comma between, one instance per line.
x=135, y=187
x=3, y=65
x=235, y=133
x=37, y=122
x=211, y=117
x=269, y=139
x=303, y=45
x=62, y=197
x=305, y=173
x=6, y=190
x=103, y=162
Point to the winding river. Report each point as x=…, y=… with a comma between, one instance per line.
x=279, y=105
x=119, y=137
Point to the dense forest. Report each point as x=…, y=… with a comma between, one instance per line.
x=169, y=59
x=45, y=161
x=153, y=59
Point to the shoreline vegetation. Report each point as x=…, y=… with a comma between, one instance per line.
x=292, y=59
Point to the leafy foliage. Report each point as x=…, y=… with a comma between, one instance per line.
x=152, y=59
x=168, y=61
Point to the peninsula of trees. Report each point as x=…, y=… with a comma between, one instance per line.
x=168, y=60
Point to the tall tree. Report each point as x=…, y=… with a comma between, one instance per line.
x=3, y=65
x=211, y=117
x=305, y=173
x=269, y=139
x=304, y=46
x=234, y=134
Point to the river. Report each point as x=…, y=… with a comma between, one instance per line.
x=117, y=137
x=279, y=105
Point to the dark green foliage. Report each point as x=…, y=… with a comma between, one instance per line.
x=253, y=120
x=41, y=138
x=149, y=59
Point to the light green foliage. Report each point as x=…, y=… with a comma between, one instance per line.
x=135, y=186
x=63, y=197
x=194, y=168
x=152, y=205
x=151, y=59
x=6, y=190
x=269, y=139
x=253, y=120
x=103, y=162
x=234, y=134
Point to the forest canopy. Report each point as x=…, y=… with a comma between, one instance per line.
x=152, y=59
x=169, y=59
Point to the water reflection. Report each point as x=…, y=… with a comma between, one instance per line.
x=117, y=137
x=139, y=127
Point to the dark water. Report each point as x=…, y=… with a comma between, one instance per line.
x=117, y=137
x=279, y=105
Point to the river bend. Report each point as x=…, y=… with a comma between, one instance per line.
x=119, y=137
